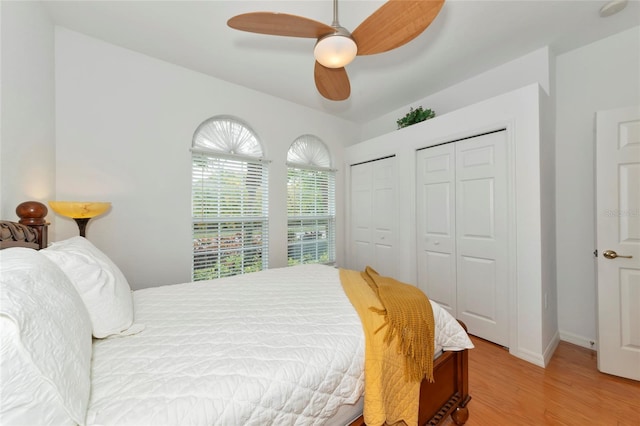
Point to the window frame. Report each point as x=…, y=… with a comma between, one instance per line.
x=303, y=223
x=224, y=237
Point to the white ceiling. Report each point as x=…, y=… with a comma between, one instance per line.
x=467, y=37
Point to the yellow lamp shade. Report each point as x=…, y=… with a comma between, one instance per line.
x=79, y=209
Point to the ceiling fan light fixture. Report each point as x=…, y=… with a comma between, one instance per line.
x=392, y=25
x=335, y=50
x=613, y=7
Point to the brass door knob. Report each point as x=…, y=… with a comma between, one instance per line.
x=610, y=254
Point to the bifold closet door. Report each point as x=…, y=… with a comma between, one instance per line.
x=482, y=236
x=373, y=216
x=463, y=232
x=436, y=240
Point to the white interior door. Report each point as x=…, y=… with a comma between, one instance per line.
x=361, y=222
x=462, y=225
x=618, y=235
x=436, y=240
x=482, y=236
x=373, y=216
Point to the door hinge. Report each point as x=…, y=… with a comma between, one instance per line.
x=595, y=253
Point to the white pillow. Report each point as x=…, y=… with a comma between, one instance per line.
x=450, y=335
x=45, y=343
x=102, y=286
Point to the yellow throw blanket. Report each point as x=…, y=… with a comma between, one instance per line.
x=393, y=372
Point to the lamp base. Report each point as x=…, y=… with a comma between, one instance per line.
x=82, y=224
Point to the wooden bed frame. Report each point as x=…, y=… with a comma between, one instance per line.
x=30, y=231
x=447, y=395
x=449, y=392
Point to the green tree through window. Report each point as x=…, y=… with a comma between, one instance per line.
x=229, y=200
x=310, y=202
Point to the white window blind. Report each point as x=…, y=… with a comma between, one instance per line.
x=229, y=210
x=310, y=204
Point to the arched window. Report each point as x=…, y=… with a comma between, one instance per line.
x=229, y=200
x=311, y=211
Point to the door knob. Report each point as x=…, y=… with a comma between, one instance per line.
x=610, y=254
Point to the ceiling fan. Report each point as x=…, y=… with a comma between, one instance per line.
x=394, y=24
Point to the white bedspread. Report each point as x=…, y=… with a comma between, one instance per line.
x=278, y=347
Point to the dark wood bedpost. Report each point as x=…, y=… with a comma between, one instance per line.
x=32, y=214
x=461, y=413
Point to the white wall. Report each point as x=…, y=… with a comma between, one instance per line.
x=520, y=72
x=549, y=294
x=124, y=127
x=27, y=127
x=600, y=76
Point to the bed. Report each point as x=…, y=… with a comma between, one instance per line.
x=277, y=347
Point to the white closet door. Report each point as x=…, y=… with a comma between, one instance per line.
x=373, y=216
x=361, y=210
x=462, y=231
x=436, y=225
x=481, y=236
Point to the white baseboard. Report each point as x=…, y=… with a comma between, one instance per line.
x=551, y=348
x=539, y=359
x=529, y=356
x=543, y=359
x=585, y=342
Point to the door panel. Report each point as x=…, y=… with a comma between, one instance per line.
x=481, y=236
x=361, y=209
x=437, y=206
x=475, y=202
x=436, y=225
x=477, y=293
x=629, y=178
x=437, y=271
x=373, y=216
x=618, y=230
x=384, y=216
x=630, y=295
x=361, y=255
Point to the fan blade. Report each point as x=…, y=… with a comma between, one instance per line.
x=332, y=83
x=280, y=24
x=395, y=23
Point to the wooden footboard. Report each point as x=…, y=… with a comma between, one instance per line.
x=447, y=395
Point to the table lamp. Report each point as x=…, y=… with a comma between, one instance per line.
x=80, y=211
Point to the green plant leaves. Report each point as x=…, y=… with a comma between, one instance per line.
x=415, y=116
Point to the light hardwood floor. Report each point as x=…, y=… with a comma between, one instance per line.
x=570, y=391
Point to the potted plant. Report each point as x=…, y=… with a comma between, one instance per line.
x=415, y=116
